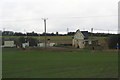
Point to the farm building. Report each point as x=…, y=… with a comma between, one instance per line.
x=80, y=38
x=9, y=44
x=24, y=45
x=48, y=44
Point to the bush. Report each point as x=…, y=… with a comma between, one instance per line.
x=113, y=40
x=32, y=41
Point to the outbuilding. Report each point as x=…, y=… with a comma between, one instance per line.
x=9, y=44
x=80, y=38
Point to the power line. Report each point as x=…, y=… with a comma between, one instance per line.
x=75, y=17
x=106, y=30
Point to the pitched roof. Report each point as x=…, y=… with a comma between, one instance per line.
x=85, y=33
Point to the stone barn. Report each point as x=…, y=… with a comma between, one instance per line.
x=80, y=38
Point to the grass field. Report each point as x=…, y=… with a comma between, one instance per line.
x=54, y=38
x=40, y=63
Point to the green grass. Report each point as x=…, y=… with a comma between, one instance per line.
x=79, y=64
x=53, y=38
x=57, y=38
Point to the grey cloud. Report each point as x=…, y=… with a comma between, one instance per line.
x=27, y=14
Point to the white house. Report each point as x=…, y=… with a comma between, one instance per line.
x=80, y=38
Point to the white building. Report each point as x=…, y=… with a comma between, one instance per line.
x=24, y=45
x=48, y=44
x=9, y=44
x=80, y=38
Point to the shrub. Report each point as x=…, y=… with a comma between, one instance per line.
x=113, y=40
x=32, y=41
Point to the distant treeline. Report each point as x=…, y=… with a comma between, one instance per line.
x=11, y=33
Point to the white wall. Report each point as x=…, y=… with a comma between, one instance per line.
x=9, y=44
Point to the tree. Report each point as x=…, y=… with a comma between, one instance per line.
x=33, y=41
x=113, y=40
x=57, y=33
x=7, y=33
x=20, y=41
x=19, y=34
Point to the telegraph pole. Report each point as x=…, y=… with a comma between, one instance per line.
x=45, y=29
x=108, y=31
x=67, y=30
x=92, y=38
x=91, y=33
x=91, y=30
x=3, y=29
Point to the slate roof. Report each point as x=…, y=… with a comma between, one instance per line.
x=85, y=33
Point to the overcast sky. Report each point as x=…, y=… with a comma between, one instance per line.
x=25, y=15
